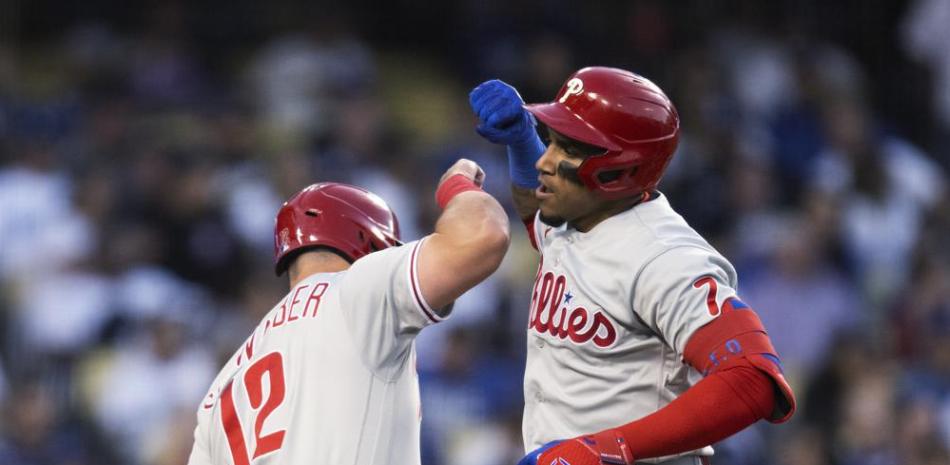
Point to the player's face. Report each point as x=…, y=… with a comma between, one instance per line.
x=561, y=196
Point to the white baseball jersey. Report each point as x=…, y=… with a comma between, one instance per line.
x=612, y=310
x=328, y=376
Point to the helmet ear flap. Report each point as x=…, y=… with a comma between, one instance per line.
x=605, y=177
x=613, y=178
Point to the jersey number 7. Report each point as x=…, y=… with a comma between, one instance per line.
x=711, y=304
x=271, y=365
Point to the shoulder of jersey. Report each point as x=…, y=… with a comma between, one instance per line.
x=646, y=230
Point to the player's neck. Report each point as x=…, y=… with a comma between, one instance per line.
x=610, y=208
x=311, y=263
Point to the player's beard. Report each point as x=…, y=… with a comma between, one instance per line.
x=553, y=221
x=567, y=171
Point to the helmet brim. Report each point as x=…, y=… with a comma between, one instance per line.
x=559, y=118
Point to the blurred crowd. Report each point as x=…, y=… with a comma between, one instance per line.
x=145, y=150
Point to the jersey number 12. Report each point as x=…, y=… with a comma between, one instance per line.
x=271, y=365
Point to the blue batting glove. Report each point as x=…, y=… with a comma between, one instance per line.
x=503, y=120
x=532, y=457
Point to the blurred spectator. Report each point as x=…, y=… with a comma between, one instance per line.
x=924, y=37
x=147, y=380
x=710, y=145
x=63, y=313
x=364, y=153
x=4, y=387
x=496, y=442
x=922, y=315
x=759, y=69
x=758, y=227
x=298, y=76
x=884, y=184
x=463, y=394
x=797, y=135
x=804, y=295
x=169, y=443
x=38, y=228
x=804, y=446
x=35, y=434
x=867, y=433
x=919, y=438
x=250, y=203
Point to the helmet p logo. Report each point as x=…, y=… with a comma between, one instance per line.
x=574, y=87
x=284, y=239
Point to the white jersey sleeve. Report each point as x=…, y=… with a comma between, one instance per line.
x=385, y=307
x=681, y=290
x=201, y=450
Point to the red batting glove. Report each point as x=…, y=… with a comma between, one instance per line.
x=604, y=448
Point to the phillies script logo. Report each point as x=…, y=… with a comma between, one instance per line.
x=550, y=314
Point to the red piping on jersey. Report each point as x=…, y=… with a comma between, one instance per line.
x=415, y=289
x=532, y=235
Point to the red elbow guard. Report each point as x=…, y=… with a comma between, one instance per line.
x=737, y=337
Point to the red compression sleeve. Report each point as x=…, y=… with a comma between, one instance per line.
x=455, y=185
x=717, y=407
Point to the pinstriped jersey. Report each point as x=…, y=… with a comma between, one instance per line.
x=328, y=376
x=612, y=310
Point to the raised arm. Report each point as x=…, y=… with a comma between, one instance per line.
x=470, y=238
x=503, y=120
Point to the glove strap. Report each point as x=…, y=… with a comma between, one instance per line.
x=611, y=446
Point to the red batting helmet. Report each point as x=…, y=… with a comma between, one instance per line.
x=345, y=218
x=625, y=114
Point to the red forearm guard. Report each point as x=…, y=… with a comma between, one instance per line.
x=738, y=337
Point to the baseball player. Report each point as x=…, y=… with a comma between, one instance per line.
x=639, y=348
x=328, y=376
